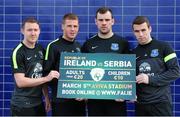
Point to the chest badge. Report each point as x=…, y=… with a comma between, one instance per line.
x=115, y=46
x=144, y=67
x=154, y=53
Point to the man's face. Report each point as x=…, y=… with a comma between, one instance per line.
x=70, y=29
x=31, y=32
x=142, y=33
x=104, y=22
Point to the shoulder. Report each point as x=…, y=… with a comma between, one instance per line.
x=54, y=42
x=40, y=49
x=77, y=43
x=18, y=54
x=39, y=46
x=159, y=41
x=165, y=47
x=119, y=38
x=135, y=49
x=52, y=47
x=161, y=44
x=92, y=38
x=18, y=49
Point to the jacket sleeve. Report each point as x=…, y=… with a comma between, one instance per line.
x=172, y=71
x=49, y=61
x=126, y=48
x=18, y=64
x=84, y=48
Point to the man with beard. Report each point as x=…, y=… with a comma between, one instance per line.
x=105, y=41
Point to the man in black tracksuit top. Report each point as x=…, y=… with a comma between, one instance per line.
x=106, y=42
x=65, y=43
x=113, y=44
x=27, y=65
x=157, y=67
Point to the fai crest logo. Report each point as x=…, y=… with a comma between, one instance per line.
x=97, y=74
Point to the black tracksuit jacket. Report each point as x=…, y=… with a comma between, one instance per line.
x=158, y=60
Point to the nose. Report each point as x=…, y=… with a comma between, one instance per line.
x=33, y=32
x=140, y=33
x=103, y=22
x=72, y=28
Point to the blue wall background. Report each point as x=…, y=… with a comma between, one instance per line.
x=164, y=16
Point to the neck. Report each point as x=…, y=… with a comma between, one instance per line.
x=150, y=39
x=67, y=39
x=27, y=44
x=105, y=36
x=147, y=42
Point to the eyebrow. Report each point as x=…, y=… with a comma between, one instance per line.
x=140, y=30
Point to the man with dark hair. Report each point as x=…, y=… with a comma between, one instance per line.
x=65, y=43
x=106, y=42
x=27, y=64
x=157, y=67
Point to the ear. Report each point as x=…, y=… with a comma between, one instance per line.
x=95, y=21
x=150, y=28
x=113, y=21
x=22, y=31
x=62, y=26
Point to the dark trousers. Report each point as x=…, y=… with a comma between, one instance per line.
x=106, y=108
x=154, y=109
x=69, y=107
x=33, y=111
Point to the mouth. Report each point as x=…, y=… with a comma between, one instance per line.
x=141, y=38
x=72, y=34
x=103, y=27
x=33, y=37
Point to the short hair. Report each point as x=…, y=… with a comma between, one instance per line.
x=103, y=10
x=29, y=20
x=140, y=20
x=69, y=16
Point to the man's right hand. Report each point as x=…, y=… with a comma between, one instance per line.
x=52, y=74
